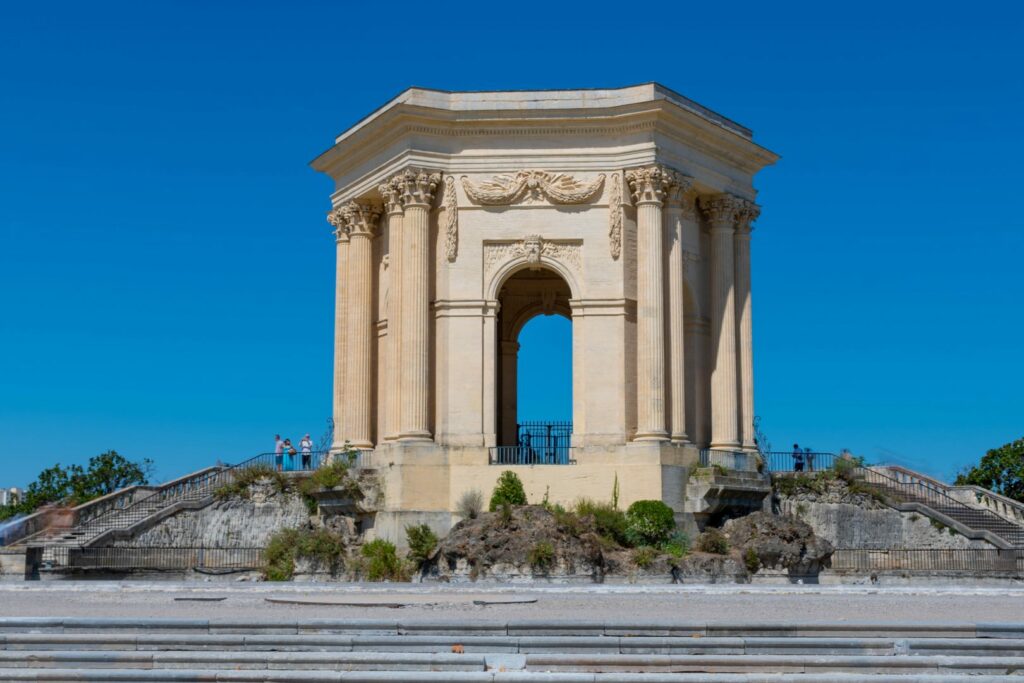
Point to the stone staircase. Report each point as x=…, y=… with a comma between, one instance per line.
x=550, y=650
x=937, y=503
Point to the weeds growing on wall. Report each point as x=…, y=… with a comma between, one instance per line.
x=542, y=557
x=378, y=561
x=713, y=541
x=470, y=504
x=422, y=541
x=244, y=478
x=324, y=548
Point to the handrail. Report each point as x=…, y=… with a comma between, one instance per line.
x=976, y=491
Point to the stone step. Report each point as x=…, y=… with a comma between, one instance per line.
x=299, y=676
x=655, y=645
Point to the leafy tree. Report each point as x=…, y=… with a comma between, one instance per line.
x=1000, y=470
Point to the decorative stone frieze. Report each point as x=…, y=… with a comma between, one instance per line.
x=505, y=189
x=532, y=248
x=451, y=220
x=615, y=216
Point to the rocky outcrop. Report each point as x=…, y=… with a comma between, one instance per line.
x=780, y=542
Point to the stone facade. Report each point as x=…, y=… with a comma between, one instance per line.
x=460, y=216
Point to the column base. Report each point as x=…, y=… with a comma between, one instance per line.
x=680, y=439
x=415, y=436
x=726, y=446
x=659, y=435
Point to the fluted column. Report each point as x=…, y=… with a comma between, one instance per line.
x=417, y=194
x=721, y=211
x=390, y=191
x=746, y=216
x=649, y=186
x=341, y=240
x=362, y=225
x=679, y=204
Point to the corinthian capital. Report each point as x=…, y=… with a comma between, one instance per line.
x=361, y=217
x=746, y=216
x=680, y=192
x=336, y=217
x=417, y=186
x=650, y=185
x=391, y=193
x=721, y=209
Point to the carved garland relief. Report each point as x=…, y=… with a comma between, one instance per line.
x=532, y=248
x=505, y=189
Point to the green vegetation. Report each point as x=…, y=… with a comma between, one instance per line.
x=713, y=541
x=245, y=477
x=509, y=489
x=751, y=560
x=678, y=545
x=649, y=522
x=422, y=541
x=644, y=556
x=288, y=545
x=379, y=562
x=1000, y=470
x=506, y=513
x=542, y=556
x=74, y=485
x=470, y=504
x=609, y=522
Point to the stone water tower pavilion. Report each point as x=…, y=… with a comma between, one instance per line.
x=460, y=216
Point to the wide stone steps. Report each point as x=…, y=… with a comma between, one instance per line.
x=526, y=650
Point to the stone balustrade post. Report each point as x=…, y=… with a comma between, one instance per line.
x=649, y=186
x=721, y=211
x=417, y=194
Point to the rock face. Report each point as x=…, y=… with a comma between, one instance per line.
x=850, y=519
x=780, y=542
x=237, y=522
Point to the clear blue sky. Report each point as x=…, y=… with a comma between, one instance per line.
x=167, y=279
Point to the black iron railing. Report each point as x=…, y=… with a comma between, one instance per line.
x=802, y=461
x=159, y=558
x=742, y=461
x=967, y=560
x=522, y=455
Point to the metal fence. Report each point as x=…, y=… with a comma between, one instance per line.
x=802, y=461
x=525, y=455
x=156, y=559
x=962, y=560
x=730, y=460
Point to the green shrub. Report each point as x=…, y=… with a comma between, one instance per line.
x=245, y=477
x=288, y=545
x=542, y=556
x=649, y=522
x=751, y=560
x=644, y=556
x=567, y=520
x=509, y=489
x=506, y=514
x=713, y=541
x=678, y=545
x=470, y=504
x=333, y=475
x=381, y=563
x=422, y=542
x=609, y=523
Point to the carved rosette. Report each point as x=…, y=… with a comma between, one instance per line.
x=533, y=248
x=505, y=189
x=361, y=217
x=721, y=209
x=451, y=215
x=650, y=185
x=615, y=217
x=416, y=187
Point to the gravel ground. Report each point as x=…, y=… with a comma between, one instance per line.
x=608, y=603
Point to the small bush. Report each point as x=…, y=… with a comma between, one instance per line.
x=470, y=504
x=713, y=541
x=332, y=476
x=509, y=489
x=288, y=545
x=506, y=514
x=245, y=477
x=719, y=470
x=609, y=522
x=649, y=522
x=542, y=556
x=678, y=545
x=644, y=556
x=751, y=560
x=422, y=542
x=380, y=561
x=567, y=520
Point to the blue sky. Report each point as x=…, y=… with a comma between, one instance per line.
x=166, y=287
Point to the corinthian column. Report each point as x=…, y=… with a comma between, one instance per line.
x=747, y=214
x=649, y=186
x=391, y=193
x=336, y=218
x=679, y=204
x=721, y=211
x=361, y=219
x=417, y=194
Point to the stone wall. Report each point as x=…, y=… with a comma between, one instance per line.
x=238, y=521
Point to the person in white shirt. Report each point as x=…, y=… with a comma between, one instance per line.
x=306, y=446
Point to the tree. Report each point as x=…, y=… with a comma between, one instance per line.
x=1000, y=470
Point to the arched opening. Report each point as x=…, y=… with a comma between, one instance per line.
x=534, y=383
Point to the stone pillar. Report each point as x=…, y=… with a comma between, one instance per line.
x=390, y=191
x=721, y=211
x=679, y=203
x=649, y=186
x=336, y=218
x=509, y=392
x=417, y=193
x=361, y=218
x=746, y=216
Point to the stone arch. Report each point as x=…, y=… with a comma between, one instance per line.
x=509, y=268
